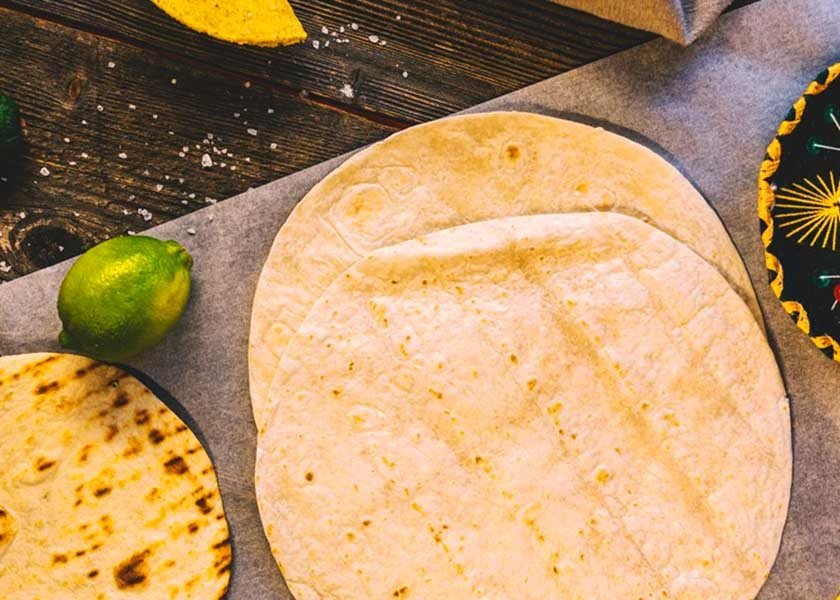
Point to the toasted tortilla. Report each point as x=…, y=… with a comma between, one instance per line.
x=461, y=170
x=104, y=491
x=565, y=406
x=253, y=22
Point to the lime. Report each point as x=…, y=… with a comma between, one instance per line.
x=123, y=296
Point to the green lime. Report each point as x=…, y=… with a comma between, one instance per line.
x=123, y=296
x=9, y=128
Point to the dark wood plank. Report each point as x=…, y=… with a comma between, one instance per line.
x=456, y=53
x=106, y=165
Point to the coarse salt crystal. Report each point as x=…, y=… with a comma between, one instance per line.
x=185, y=149
x=85, y=155
x=341, y=29
x=5, y=268
x=247, y=84
x=159, y=187
x=191, y=196
x=316, y=44
x=252, y=131
x=72, y=163
x=236, y=115
x=174, y=81
x=155, y=117
x=347, y=91
x=211, y=217
x=132, y=107
x=324, y=29
x=66, y=140
x=405, y=74
x=206, y=161
x=374, y=38
x=354, y=26
x=45, y=171
x=181, y=154
x=122, y=155
x=111, y=65
x=191, y=230
x=100, y=108
x=270, y=111
x=22, y=215
x=273, y=146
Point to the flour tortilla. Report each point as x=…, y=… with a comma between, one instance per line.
x=561, y=406
x=460, y=170
x=104, y=492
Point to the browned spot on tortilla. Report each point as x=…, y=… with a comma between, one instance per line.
x=400, y=593
x=93, y=574
x=223, y=594
x=222, y=544
x=77, y=502
x=141, y=416
x=192, y=527
x=310, y=476
x=59, y=559
x=156, y=437
x=366, y=522
x=43, y=464
x=133, y=571
x=103, y=491
x=176, y=465
x=153, y=493
x=81, y=552
x=203, y=505
x=134, y=447
x=513, y=359
x=169, y=563
x=113, y=430
x=224, y=569
x=120, y=401
x=180, y=428
x=512, y=151
x=193, y=450
x=95, y=547
x=84, y=453
x=46, y=387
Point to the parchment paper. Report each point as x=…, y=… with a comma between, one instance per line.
x=711, y=108
x=679, y=20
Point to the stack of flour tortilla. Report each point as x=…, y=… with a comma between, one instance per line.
x=510, y=356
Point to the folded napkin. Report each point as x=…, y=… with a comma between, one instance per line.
x=680, y=20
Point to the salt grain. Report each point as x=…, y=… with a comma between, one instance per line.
x=45, y=171
x=100, y=108
x=405, y=74
x=122, y=155
x=374, y=38
x=5, y=268
x=347, y=91
x=211, y=217
x=174, y=81
x=354, y=26
x=247, y=84
x=66, y=140
x=159, y=187
x=324, y=30
x=72, y=163
x=206, y=161
x=273, y=146
x=270, y=111
x=85, y=155
x=155, y=117
x=111, y=65
x=191, y=230
x=252, y=131
x=22, y=215
x=316, y=44
x=132, y=107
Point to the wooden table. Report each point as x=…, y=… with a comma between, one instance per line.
x=131, y=120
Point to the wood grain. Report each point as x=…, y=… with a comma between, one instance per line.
x=106, y=165
x=456, y=53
